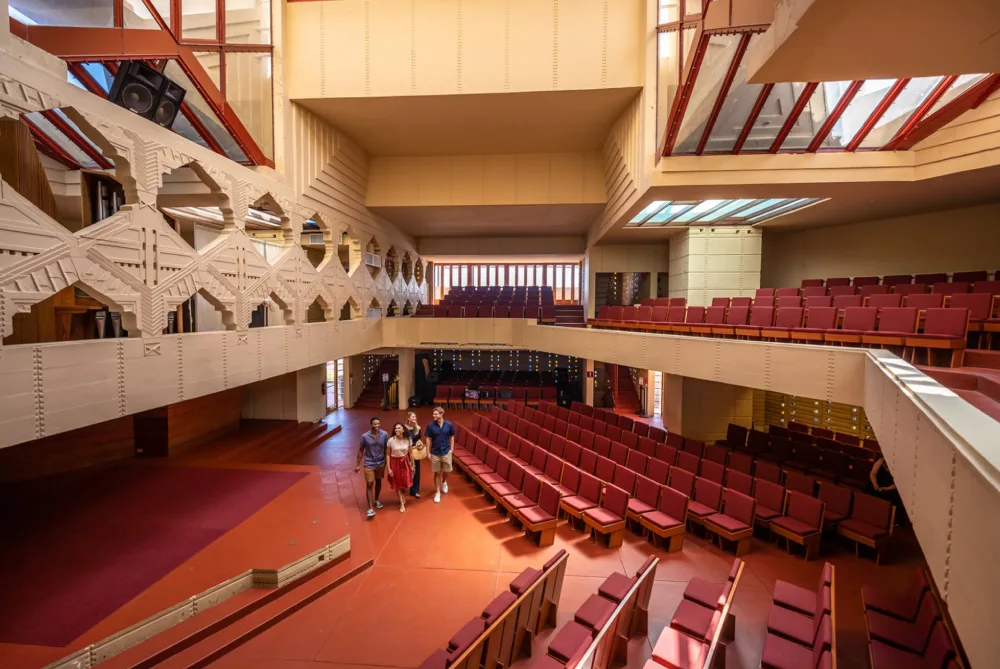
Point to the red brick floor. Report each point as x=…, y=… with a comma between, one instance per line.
x=439, y=564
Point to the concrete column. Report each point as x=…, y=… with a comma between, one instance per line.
x=294, y=396
x=354, y=380
x=715, y=262
x=704, y=409
x=407, y=379
x=588, y=382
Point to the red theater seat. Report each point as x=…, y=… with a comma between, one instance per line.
x=894, y=326
x=802, y=522
x=801, y=599
x=818, y=321
x=712, y=595
x=786, y=319
x=944, y=329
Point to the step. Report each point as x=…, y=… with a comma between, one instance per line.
x=230, y=637
x=189, y=633
x=988, y=359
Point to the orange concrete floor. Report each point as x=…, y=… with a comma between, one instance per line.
x=438, y=565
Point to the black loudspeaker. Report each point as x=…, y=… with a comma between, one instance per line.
x=147, y=92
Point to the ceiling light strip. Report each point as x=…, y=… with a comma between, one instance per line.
x=835, y=115
x=880, y=109
x=752, y=120
x=727, y=83
x=793, y=116
x=920, y=112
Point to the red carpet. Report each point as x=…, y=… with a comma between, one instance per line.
x=78, y=553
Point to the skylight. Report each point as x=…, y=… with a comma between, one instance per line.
x=662, y=213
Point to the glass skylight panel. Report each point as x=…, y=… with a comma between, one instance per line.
x=100, y=75
x=725, y=210
x=962, y=84
x=735, y=109
x=871, y=93
x=699, y=210
x=814, y=115
x=61, y=140
x=773, y=115
x=761, y=206
x=670, y=213
x=663, y=214
x=648, y=211
x=711, y=75
x=784, y=209
x=69, y=122
x=913, y=95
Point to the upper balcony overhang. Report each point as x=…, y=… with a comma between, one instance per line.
x=830, y=40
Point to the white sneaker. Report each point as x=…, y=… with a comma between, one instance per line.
x=444, y=487
x=371, y=513
x=378, y=504
x=437, y=498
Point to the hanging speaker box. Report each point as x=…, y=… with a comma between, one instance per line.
x=146, y=92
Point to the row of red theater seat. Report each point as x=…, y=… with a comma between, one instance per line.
x=898, y=279
x=454, y=396
x=580, y=469
x=472, y=631
x=542, y=313
x=572, y=642
x=910, y=630
x=943, y=329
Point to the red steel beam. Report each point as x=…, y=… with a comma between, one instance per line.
x=970, y=99
x=65, y=128
x=228, y=117
x=84, y=77
x=920, y=112
x=877, y=113
x=50, y=148
x=793, y=116
x=684, y=95
x=727, y=83
x=758, y=106
x=835, y=115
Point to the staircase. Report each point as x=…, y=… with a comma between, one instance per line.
x=374, y=391
x=570, y=315
x=623, y=391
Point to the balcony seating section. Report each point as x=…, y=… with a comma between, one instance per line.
x=603, y=625
x=533, y=302
x=506, y=625
x=830, y=312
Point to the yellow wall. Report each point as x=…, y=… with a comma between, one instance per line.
x=943, y=241
x=544, y=178
x=359, y=48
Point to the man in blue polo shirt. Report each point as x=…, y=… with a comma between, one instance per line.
x=440, y=436
x=371, y=453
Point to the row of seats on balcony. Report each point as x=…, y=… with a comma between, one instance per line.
x=901, y=279
x=505, y=628
x=944, y=328
x=762, y=295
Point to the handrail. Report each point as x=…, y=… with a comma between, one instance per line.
x=608, y=644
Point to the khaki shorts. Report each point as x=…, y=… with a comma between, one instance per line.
x=371, y=475
x=441, y=463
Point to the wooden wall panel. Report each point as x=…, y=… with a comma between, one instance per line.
x=91, y=445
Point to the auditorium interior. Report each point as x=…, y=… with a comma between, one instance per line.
x=708, y=290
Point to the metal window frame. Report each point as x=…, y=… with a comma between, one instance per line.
x=835, y=114
x=49, y=147
x=75, y=45
x=930, y=124
x=793, y=116
x=727, y=84
x=880, y=109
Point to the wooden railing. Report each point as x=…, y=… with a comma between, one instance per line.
x=511, y=635
x=610, y=645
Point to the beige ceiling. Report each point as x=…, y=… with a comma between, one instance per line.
x=848, y=203
x=437, y=125
x=515, y=220
x=836, y=40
